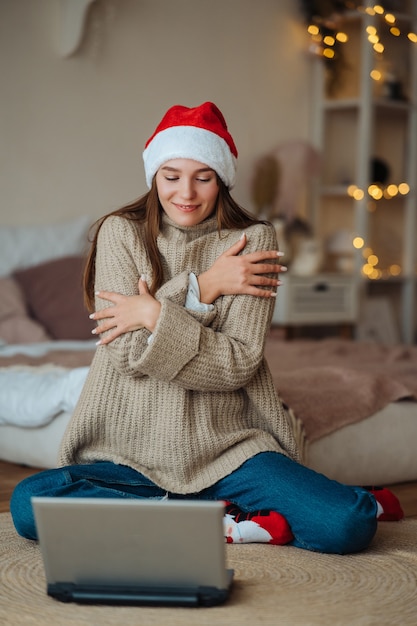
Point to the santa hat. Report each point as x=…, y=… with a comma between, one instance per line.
x=198, y=133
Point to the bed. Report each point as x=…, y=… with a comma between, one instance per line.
x=353, y=404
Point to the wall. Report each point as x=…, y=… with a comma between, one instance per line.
x=72, y=129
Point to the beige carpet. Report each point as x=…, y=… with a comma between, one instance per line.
x=273, y=586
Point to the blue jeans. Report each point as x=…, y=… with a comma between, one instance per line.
x=324, y=515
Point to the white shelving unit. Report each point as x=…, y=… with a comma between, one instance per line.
x=363, y=119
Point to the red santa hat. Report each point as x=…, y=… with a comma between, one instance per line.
x=198, y=133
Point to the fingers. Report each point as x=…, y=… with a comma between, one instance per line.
x=111, y=296
x=102, y=314
x=263, y=255
x=265, y=268
x=261, y=293
x=103, y=341
x=143, y=285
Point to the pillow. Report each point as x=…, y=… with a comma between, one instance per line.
x=15, y=324
x=54, y=296
x=22, y=247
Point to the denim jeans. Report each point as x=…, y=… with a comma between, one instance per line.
x=324, y=515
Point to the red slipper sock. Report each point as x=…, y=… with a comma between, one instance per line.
x=389, y=503
x=255, y=527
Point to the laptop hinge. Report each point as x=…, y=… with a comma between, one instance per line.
x=135, y=595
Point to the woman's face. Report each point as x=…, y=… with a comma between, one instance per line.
x=187, y=191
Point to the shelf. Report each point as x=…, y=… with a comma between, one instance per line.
x=360, y=122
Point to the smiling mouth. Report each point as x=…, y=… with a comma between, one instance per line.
x=186, y=208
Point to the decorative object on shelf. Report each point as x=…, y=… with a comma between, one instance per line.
x=323, y=18
x=392, y=87
x=308, y=258
x=292, y=237
x=340, y=251
x=380, y=171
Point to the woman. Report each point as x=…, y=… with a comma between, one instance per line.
x=179, y=401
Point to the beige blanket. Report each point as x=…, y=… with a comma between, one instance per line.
x=334, y=382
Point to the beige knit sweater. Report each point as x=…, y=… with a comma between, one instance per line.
x=191, y=406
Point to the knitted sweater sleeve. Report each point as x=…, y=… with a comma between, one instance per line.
x=221, y=357
x=120, y=261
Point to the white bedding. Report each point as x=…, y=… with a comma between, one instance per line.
x=33, y=396
x=42, y=348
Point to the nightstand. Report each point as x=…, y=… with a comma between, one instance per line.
x=322, y=299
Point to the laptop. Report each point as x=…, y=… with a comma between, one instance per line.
x=133, y=552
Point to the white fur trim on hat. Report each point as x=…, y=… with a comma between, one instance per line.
x=190, y=142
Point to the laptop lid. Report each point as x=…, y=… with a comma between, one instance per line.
x=161, y=552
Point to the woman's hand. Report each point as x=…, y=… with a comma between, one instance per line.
x=231, y=274
x=128, y=313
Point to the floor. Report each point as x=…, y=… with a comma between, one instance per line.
x=11, y=474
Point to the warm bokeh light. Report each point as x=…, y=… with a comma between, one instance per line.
x=375, y=192
x=379, y=9
x=358, y=194
x=373, y=260
x=395, y=269
x=342, y=37
x=379, y=47
x=358, y=242
x=313, y=29
x=392, y=190
x=328, y=40
x=376, y=75
x=412, y=37
x=394, y=30
x=367, y=269
x=404, y=189
x=390, y=18
x=328, y=53
x=371, y=272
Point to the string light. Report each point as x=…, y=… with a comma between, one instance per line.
x=376, y=192
x=341, y=37
x=319, y=31
x=376, y=75
x=395, y=269
x=325, y=36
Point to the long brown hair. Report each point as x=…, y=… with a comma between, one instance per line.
x=146, y=211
